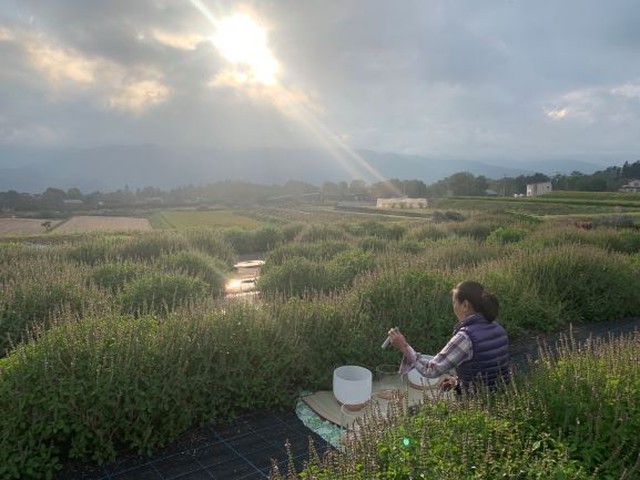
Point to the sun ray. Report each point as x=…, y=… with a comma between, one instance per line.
x=353, y=163
x=242, y=42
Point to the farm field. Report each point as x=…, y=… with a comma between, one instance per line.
x=22, y=226
x=181, y=219
x=93, y=223
x=560, y=203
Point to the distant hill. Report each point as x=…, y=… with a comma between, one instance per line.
x=110, y=168
x=560, y=165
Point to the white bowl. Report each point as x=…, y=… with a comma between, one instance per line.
x=416, y=380
x=352, y=385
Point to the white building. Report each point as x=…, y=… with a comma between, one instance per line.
x=401, y=202
x=535, y=189
x=632, y=187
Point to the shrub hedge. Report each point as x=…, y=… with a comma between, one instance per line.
x=160, y=293
x=115, y=275
x=87, y=389
x=199, y=265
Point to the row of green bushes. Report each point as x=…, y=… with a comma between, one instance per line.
x=147, y=247
x=154, y=269
x=39, y=286
x=150, y=272
x=39, y=283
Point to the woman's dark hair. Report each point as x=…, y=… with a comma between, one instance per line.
x=481, y=301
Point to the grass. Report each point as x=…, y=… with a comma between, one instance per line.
x=159, y=222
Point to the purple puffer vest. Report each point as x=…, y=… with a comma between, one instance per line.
x=489, y=365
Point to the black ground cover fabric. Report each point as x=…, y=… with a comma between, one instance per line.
x=242, y=450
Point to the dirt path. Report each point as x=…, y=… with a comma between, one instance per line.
x=242, y=282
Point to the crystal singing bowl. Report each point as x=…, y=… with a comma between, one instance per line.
x=352, y=386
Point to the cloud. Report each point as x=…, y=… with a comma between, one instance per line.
x=139, y=95
x=27, y=134
x=628, y=90
x=72, y=75
x=557, y=113
x=60, y=64
x=6, y=35
x=179, y=41
x=602, y=105
x=435, y=78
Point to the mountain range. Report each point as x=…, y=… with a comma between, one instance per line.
x=110, y=168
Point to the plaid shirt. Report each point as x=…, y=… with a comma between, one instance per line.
x=459, y=349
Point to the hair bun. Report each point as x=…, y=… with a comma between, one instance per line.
x=490, y=305
x=481, y=300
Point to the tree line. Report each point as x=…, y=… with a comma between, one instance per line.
x=235, y=192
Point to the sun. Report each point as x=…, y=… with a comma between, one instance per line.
x=243, y=42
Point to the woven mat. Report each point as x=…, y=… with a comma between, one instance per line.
x=325, y=405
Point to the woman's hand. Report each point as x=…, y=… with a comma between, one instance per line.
x=449, y=383
x=397, y=340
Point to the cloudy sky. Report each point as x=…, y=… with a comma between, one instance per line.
x=471, y=79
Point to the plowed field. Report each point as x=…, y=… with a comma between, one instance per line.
x=22, y=226
x=89, y=223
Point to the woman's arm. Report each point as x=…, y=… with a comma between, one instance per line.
x=459, y=349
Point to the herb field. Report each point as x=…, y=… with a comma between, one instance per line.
x=555, y=203
x=116, y=343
